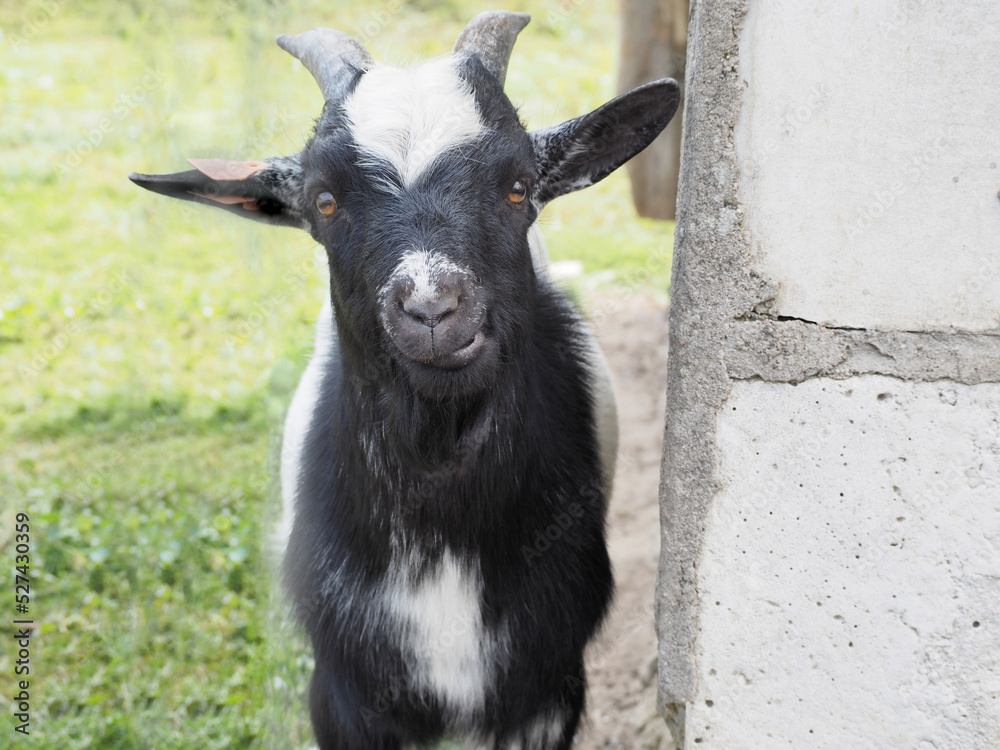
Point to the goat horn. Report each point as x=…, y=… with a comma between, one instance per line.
x=491, y=36
x=332, y=57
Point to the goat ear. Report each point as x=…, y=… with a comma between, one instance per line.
x=580, y=152
x=269, y=191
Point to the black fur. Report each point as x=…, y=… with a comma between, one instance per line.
x=479, y=461
x=509, y=464
x=496, y=463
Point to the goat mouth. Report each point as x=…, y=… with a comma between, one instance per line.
x=464, y=355
x=455, y=359
x=466, y=369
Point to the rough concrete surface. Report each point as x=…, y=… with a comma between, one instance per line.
x=861, y=355
x=870, y=160
x=850, y=578
x=791, y=351
x=710, y=286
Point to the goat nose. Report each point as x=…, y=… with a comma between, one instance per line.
x=435, y=318
x=430, y=309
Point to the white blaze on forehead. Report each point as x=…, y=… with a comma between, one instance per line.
x=408, y=117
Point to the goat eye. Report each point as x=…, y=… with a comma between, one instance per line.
x=518, y=192
x=326, y=204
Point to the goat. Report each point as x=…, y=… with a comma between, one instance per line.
x=449, y=451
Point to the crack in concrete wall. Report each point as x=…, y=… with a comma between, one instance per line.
x=718, y=335
x=791, y=351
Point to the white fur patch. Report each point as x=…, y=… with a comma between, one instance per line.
x=541, y=733
x=424, y=269
x=601, y=384
x=539, y=252
x=410, y=116
x=297, y=421
x=605, y=407
x=441, y=617
x=547, y=730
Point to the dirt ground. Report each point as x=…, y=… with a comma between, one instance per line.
x=621, y=711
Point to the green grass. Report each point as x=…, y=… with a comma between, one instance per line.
x=148, y=349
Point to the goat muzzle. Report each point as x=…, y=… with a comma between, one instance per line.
x=439, y=324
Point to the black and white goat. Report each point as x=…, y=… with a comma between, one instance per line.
x=450, y=448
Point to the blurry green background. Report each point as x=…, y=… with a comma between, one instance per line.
x=148, y=348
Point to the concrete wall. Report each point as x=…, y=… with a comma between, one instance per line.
x=830, y=570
